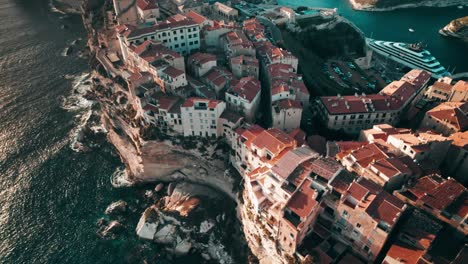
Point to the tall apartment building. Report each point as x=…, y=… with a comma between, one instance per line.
x=244, y=97
x=178, y=33
x=354, y=113
x=200, y=117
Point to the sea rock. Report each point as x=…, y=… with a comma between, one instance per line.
x=147, y=226
x=110, y=231
x=206, y=226
x=159, y=187
x=183, y=246
x=166, y=235
x=116, y=208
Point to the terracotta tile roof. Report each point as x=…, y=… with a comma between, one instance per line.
x=299, y=136
x=190, y=102
x=386, y=207
x=219, y=77
x=151, y=107
x=442, y=86
x=288, y=104
x=442, y=196
x=173, y=72
x=460, y=140
x=461, y=86
x=147, y=4
x=200, y=58
x=197, y=18
x=171, y=23
x=404, y=253
x=168, y=103
x=291, y=160
x=273, y=140
x=326, y=167
x=391, y=167
x=302, y=203
x=247, y=88
x=244, y=60
x=345, y=147
x=370, y=153
x=417, y=77
x=231, y=116
x=391, y=98
x=453, y=113
x=151, y=51
x=342, y=182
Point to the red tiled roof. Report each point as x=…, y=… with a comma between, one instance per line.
x=173, y=72
x=273, y=140
x=190, y=102
x=302, y=202
x=461, y=86
x=442, y=196
x=147, y=4
x=460, y=140
x=299, y=136
x=453, y=113
x=291, y=160
x=288, y=104
x=326, y=167
x=386, y=207
x=247, y=88
x=200, y=58
x=199, y=19
x=218, y=76
x=442, y=86
x=391, y=98
x=369, y=153
x=171, y=23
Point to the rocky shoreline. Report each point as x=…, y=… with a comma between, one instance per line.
x=374, y=6
x=67, y=6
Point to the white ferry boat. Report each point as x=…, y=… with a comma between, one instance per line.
x=413, y=56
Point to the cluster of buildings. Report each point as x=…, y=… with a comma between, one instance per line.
x=164, y=61
x=199, y=73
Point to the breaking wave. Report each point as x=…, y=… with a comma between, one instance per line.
x=119, y=178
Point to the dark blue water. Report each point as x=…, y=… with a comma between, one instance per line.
x=50, y=197
x=394, y=25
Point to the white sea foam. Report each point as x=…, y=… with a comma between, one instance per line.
x=80, y=86
x=54, y=9
x=119, y=178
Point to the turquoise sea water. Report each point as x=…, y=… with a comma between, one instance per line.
x=394, y=25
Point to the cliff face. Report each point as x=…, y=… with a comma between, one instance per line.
x=330, y=36
x=382, y=5
x=457, y=28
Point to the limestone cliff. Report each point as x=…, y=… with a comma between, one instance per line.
x=383, y=5
x=457, y=28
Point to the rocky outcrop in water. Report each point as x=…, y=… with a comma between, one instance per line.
x=188, y=220
x=457, y=28
x=329, y=36
x=385, y=5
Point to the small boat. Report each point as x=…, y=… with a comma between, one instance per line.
x=411, y=30
x=460, y=7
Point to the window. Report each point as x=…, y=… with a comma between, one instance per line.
x=175, y=38
x=183, y=44
x=176, y=46
x=196, y=41
x=358, y=225
x=345, y=213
